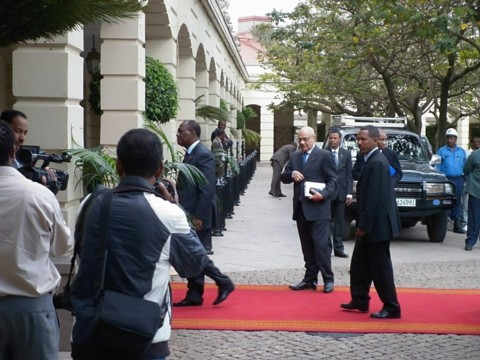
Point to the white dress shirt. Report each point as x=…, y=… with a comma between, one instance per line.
x=32, y=229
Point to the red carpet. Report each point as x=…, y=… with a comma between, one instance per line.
x=265, y=307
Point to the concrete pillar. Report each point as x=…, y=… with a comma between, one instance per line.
x=165, y=51
x=186, y=87
x=266, y=132
x=122, y=109
x=463, y=130
x=48, y=87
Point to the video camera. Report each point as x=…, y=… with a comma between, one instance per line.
x=28, y=156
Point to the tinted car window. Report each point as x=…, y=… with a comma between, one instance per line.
x=408, y=147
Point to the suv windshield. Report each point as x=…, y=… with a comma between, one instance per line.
x=407, y=146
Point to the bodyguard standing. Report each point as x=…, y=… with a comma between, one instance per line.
x=343, y=162
x=312, y=209
x=378, y=223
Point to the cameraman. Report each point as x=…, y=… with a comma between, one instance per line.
x=19, y=124
x=32, y=229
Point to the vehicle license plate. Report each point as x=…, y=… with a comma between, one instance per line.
x=406, y=202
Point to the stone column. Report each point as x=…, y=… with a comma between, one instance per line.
x=463, y=130
x=266, y=132
x=186, y=87
x=123, y=70
x=202, y=89
x=48, y=86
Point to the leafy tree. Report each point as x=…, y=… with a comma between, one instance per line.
x=374, y=57
x=31, y=20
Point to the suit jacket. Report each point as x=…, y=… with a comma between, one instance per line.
x=377, y=212
x=199, y=199
x=393, y=161
x=283, y=154
x=344, y=172
x=320, y=167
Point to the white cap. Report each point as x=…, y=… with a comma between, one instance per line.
x=451, y=132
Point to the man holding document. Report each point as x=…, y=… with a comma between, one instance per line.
x=313, y=172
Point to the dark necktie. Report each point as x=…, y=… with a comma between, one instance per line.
x=187, y=157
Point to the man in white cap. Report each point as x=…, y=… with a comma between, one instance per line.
x=453, y=160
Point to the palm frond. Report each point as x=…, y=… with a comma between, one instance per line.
x=154, y=126
x=251, y=137
x=212, y=113
x=97, y=166
x=30, y=20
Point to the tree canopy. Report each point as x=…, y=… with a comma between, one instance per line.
x=377, y=58
x=31, y=20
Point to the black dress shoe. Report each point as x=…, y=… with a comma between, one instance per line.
x=188, y=302
x=328, y=287
x=304, y=286
x=223, y=292
x=341, y=254
x=282, y=195
x=352, y=306
x=271, y=194
x=383, y=314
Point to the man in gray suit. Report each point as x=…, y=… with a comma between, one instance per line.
x=312, y=208
x=343, y=162
x=278, y=161
x=378, y=222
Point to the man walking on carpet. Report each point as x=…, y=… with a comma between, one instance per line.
x=378, y=222
x=198, y=201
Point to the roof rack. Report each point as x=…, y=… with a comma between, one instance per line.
x=357, y=121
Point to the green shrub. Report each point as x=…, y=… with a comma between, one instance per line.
x=161, y=93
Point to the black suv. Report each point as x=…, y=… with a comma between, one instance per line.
x=423, y=194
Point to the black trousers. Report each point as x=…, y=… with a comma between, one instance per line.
x=338, y=213
x=372, y=262
x=196, y=284
x=316, y=247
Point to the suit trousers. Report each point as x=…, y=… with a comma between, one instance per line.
x=196, y=284
x=316, y=247
x=338, y=213
x=275, y=187
x=371, y=262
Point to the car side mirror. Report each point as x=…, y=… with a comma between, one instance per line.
x=435, y=160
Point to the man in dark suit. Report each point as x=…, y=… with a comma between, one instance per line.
x=198, y=201
x=343, y=162
x=278, y=161
x=378, y=222
x=312, y=209
x=394, y=163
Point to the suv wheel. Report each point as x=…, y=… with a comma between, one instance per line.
x=437, y=226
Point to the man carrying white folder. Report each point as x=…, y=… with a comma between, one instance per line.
x=312, y=169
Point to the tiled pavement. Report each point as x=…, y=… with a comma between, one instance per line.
x=261, y=246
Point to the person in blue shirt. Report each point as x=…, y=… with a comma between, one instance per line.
x=453, y=160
